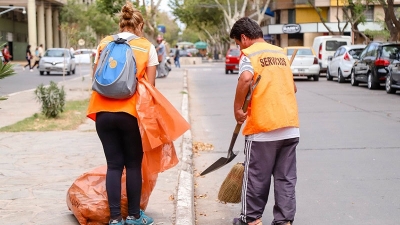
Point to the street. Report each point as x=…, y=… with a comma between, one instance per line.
x=25, y=80
x=347, y=159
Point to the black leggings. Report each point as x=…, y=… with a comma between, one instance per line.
x=29, y=63
x=122, y=144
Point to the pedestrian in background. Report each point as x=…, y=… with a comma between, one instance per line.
x=161, y=53
x=176, y=57
x=28, y=57
x=117, y=124
x=272, y=126
x=36, y=58
x=6, y=54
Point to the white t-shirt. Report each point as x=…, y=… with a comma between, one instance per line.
x=275, y=135
x=153, y=58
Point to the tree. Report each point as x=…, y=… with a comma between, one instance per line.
x=391, y=21
x=172, y=29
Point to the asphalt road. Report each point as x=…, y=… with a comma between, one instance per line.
x=25, y=80
x=348, y=170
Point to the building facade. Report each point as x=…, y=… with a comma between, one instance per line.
x=297, y=23
x=31, y=22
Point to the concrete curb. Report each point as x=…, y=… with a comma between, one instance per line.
x=184, y=212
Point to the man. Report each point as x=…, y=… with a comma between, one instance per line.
x=176, y=57
x=272, y=126
x=161, y=53
x=6, y=54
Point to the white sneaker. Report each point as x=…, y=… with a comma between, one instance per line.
x=31, y=70
x=23, y=68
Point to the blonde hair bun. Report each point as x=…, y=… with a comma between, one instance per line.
x=127, y=11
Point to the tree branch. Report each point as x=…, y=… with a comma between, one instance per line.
x=320, y=17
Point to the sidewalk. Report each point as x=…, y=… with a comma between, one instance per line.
x=37, y=168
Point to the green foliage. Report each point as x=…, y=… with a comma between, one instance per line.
x=109, y=7
x=100, y=23
x=51, y=98
x=6, y=70
x=172, y=29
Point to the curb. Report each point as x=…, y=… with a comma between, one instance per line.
x=184, y=211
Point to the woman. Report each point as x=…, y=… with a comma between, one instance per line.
x=117, y=124
x=28, y=57
x=36, y=58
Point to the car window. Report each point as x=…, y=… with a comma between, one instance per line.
x=234, y=52
x=342, y=51
x=371, y=50
x=364, y=52
x=356, y=51
x=336, y=53
x=334, y=45
x=301, y=51
x=390, y=51
x=56, y=53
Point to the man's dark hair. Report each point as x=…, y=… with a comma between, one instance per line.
x=248, y=27
x=5, y=45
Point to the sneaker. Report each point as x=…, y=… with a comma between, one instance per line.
x=23, y=68
x=142, y=220
x=238, y=221
x=31, y=70
x=116, y=222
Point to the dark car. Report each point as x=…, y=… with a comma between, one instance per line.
x=393, y=77
x=232, y=60
x=372, y=66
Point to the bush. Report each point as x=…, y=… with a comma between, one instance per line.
x=51, y=98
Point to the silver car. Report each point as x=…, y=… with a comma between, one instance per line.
x=57, y=60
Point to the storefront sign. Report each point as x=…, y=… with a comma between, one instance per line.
x=291, y=28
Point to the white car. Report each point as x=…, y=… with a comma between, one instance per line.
x=341, y=63
x=84, y=55
x=305, y=62
x=57, y=60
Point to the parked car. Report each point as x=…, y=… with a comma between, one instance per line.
x=57, y=60
x=232, y=60
x=325, y=46
x=1, y=57
x=305, y=63
x=392, y=83
x=341, y=63
x=372, y=66
x=182, y=53
x=84, y=55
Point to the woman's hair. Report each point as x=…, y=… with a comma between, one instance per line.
x=28, y=47
x=130, y=17
x=248, y=27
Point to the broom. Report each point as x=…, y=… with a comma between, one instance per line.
x=231, y=189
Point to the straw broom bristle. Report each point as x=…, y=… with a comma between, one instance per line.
x=231, y=189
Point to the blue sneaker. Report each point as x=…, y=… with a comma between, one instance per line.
x=143, y=220
x=116, y=222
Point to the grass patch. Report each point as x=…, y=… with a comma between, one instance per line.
x=74, y=114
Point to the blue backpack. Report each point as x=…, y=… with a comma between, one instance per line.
x=115, y=76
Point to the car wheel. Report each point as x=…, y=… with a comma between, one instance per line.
x=232, y=71
x=371, y=84
x=388, y=85
x=328, y=75
x=316, y=77
x=48, y=73
x=41, y=72
x=353, y=81
x=73, y=71
x=340, y=78
x=226, y=71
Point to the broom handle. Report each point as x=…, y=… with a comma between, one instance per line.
x=244, y=108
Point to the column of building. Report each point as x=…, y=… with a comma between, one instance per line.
x=31, y=10
x=49, y=27
x=56, y=32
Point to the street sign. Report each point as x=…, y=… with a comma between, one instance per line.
x=81, y=42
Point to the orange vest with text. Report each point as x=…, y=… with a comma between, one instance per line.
x=99, y=103
x=273, y=104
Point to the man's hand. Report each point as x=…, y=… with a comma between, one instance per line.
x=240, y=116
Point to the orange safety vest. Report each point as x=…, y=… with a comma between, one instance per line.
x=273, y=104
x=99, y=103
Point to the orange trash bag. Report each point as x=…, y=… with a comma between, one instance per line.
x=160, y=124
x=87, y=197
